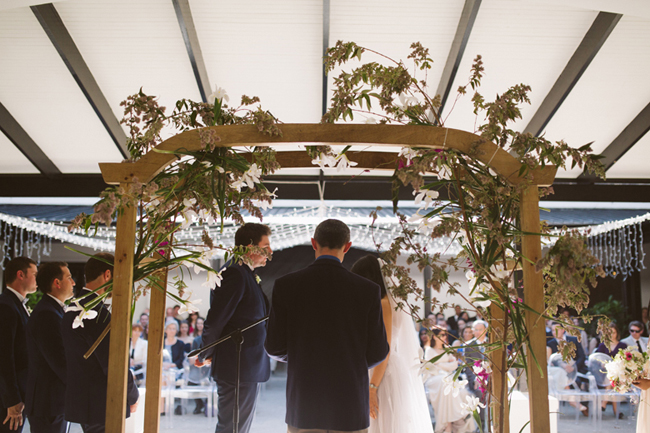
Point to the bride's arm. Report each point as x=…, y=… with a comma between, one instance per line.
x=379, y=370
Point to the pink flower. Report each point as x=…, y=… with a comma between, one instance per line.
x=628, y=356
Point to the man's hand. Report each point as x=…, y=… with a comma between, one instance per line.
x=374, y=403
x=199, y=363
x=15, y=416
x=134, y=406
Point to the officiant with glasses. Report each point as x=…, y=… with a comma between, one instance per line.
x=238, y=302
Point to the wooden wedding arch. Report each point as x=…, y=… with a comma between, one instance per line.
x=312, y=134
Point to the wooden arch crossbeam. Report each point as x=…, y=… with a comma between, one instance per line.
x=320, y=134
x=154, y=162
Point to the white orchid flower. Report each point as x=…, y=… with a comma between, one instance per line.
x=324, y=160
x=238, y=184
x=484, y=367
x=189, y=306
x=83, y=315
x=408, y=153
x=406, y=100
x=426, y=195
x=444, y=173
x=263, y=204
x=343, y=162
x=252, y=175
x=214, y=279
x=473, y=404
x=219, y=93
x=453, y=386
x=188, y=218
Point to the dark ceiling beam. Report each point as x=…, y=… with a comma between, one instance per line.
x=625, y=140
x=51, y=22
x=336, y=188
x=191, y=38
x=19, y=137
x=326, y=45
x=463, y=31
x=594, y=39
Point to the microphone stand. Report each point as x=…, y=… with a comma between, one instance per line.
x=238, y=339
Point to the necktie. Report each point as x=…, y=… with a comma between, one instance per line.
x=638, y=343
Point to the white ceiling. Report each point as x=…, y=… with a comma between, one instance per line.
x=274, y=50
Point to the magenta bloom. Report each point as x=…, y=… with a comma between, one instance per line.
x=628, y=356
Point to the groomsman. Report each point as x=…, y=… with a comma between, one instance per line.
x=44, y=405
x=238, y=302
x=86, y=379
x=20, y=278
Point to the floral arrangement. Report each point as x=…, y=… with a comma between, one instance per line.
x=627, y=366
x=205, y=187
x=463, y=199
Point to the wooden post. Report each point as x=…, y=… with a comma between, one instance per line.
x=534, y=298
x=118, y=359
x=499, y=362
x=155, y=356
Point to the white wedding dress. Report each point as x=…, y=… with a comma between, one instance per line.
x=403, y=404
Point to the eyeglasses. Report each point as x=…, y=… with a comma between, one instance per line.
x=636, y=331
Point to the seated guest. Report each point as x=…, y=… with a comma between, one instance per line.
x=191, y=320
x=144, y=322
x=614, y=346
x=45, y=399
x=446, y=407
x=451, y=334
x=198, y=329
x=635, y=339
x=174, y=346
x=466, y=335
x=138, y=353
x=184, y=333
x=86, y=379
x=452, y=321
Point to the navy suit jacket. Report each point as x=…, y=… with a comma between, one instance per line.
x=47, y=368
x=238, y=302
x=13, y=360
x=580, y=353
x=86, y=379
x=327, y=323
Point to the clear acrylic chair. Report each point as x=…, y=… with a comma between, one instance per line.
x=562, y=385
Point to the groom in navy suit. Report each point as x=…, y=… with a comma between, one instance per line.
x=45, y=400
x=20, y=278
x=236, y=303
x=327, y=384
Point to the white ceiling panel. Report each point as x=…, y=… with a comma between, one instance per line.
x=43, y=97
x=268, y=49
x=634, y=164
x=527, y=43
x=391, y=28
x=13, y=161
x=611, y=92
x=132, y=44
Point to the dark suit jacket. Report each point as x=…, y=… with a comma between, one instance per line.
x=86, y=379
x=238, y=302
x=47, y=367
x=327, y=323
x=580, y=353
x=13, y=360
x=179, y=349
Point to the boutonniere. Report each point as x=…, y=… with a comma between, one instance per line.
x=258, y=279
x=29, y=309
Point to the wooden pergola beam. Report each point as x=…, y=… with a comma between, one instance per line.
x=363, y=135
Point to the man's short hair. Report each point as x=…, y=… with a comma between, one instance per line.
x=17, y=264
x=251, y=234
x=97, y=265
x=332, y=234
x=47, y=273
x=479, y=322
x=637, y=324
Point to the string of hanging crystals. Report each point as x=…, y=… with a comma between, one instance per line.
x=21, y=242
x=619, y=246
